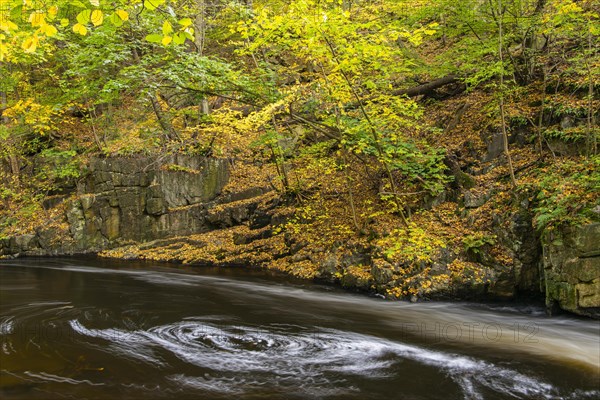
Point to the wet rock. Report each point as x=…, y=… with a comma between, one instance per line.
x=527, y=248
x=382, y=271
x=572, y=269
x=502, y=288
x=328, y=268
x=356, y=278
x=23, y=243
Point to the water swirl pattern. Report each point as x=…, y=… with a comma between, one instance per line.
x=86, y=329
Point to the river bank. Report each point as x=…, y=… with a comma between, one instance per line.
x=195, y=210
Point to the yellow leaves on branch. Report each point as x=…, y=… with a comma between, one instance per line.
x=38, y=117
x=37, y=19
x=80, y=29
x=8, y=26
x=15, y=38
x=45, y=24
x=49, y=30
x=168, y=36
x=97, y=17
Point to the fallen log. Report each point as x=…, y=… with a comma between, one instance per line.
x=419, y=90
x=428, y=87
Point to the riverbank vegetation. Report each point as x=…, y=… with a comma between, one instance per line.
x=415, y=132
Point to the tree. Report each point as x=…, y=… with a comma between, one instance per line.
x=324, y=55
x=501, y=100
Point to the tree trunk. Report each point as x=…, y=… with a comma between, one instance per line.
x=502, y=115
x=591, y=145
x=14, y=164
x=164, y=123
x=200, y=41
x=3, y=106
x=3, y=101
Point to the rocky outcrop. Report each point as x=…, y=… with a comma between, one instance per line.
x=124, y=200
x=572, y=269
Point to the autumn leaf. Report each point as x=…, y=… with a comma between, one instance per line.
x=167, y=28
x=30, y=44
x=80, y=29
x=8, y=26
x=122, y=14
x=153, y=4
x=37, y=19
x=185, y=22
x=97, y=17
x=49, y=30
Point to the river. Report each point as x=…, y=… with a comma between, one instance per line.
x=83, y=328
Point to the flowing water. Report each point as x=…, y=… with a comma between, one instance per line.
x=86, y=328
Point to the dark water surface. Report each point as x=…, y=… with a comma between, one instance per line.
x=86, y=328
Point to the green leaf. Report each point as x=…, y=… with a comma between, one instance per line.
x=77, y=3
x=154, y=38
x=16, y=12
x=185, y=22
x=189, y=33
x=153, y=4
x=115, y=20
x=179, y=38
x=84, y=17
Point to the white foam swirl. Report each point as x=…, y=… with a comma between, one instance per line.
x=242, y=358
x=7, y=326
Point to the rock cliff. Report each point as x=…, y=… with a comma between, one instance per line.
x=572, y=269
x=125, y=200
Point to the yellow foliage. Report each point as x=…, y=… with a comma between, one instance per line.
x=80, y=29
x=37, y=19
x=40, y=118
